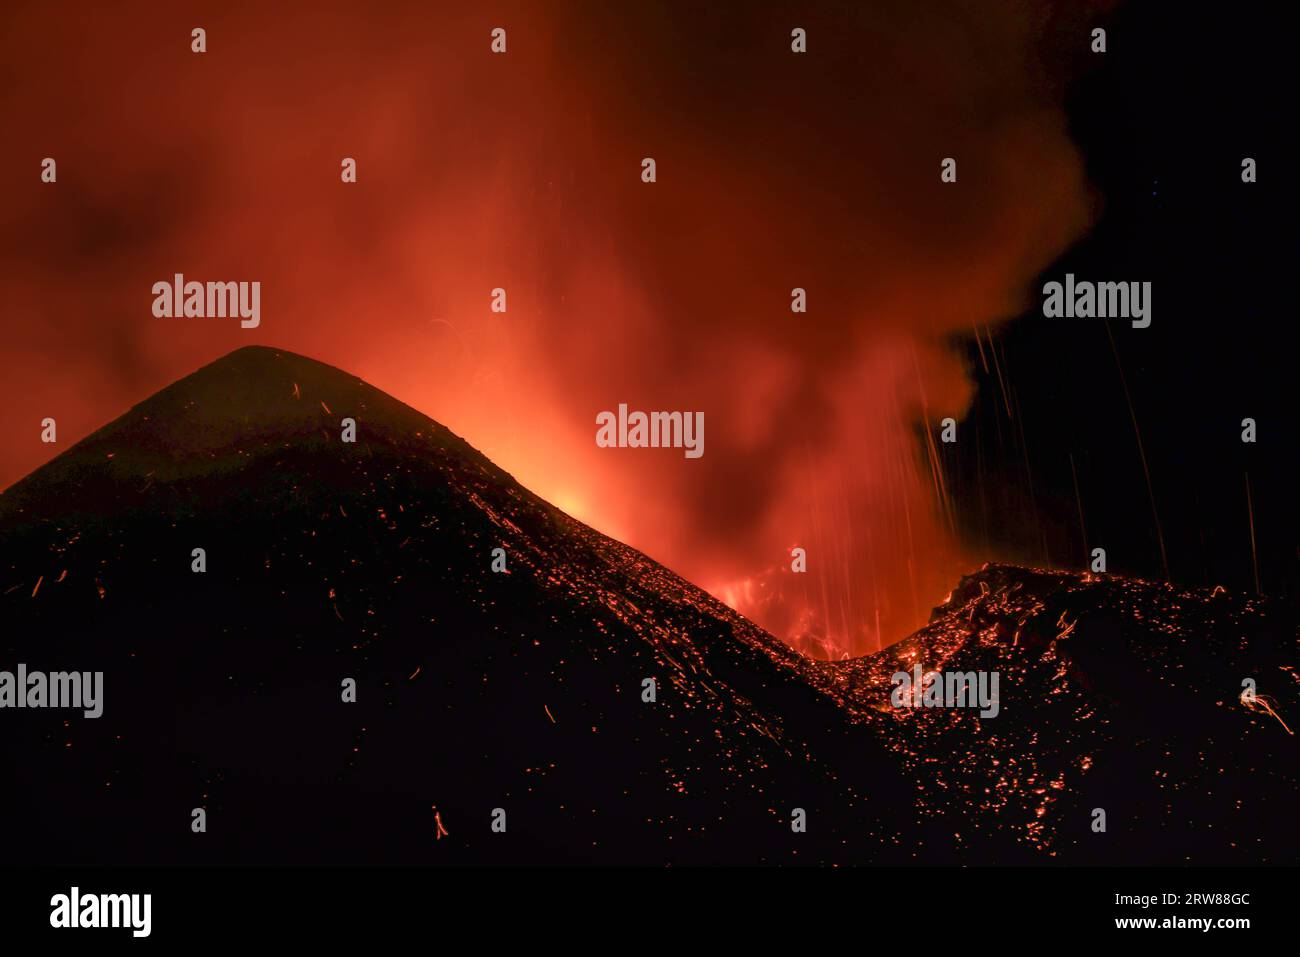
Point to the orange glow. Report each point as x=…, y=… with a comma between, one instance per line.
x=522, y=172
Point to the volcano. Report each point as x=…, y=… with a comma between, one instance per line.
x=528, y=690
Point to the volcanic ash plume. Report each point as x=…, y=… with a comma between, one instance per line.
x=521, y=171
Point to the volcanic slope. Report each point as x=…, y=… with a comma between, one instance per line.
x=523, y=691
x=1115, y=695
x=521, y=696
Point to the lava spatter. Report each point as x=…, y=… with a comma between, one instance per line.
x=522, y=689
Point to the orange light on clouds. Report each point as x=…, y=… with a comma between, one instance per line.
x=522, y=171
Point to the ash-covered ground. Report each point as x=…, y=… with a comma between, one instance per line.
x=524, y=691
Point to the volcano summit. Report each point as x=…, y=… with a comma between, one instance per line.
x=585, y=706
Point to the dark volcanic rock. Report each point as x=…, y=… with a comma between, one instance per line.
x=1116, y=694
x=476, y=690
x=523, y=691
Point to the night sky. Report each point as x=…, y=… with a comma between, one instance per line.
x=1163, y=129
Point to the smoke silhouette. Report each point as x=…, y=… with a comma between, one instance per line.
x=522, y=171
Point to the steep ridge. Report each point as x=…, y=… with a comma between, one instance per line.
x=477, y=690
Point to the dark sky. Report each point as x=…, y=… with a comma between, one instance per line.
x=1163, y=128
x=775, y=170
